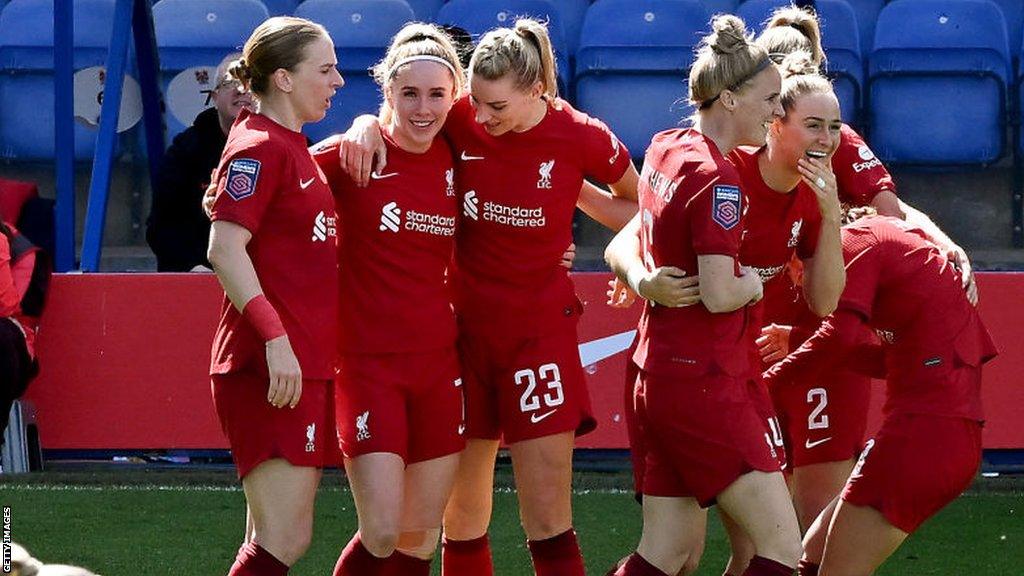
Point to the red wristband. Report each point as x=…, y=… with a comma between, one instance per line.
x=262, y=316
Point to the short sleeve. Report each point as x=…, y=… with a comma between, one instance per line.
x=807, y=244
x=716, y=217
x=605, y=158
x=325, y=154
x=247, y=183
x=860, y=175
x=863, y=272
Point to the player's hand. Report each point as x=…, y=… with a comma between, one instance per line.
x=285, y=374
x=818, y=175
x=751, y=275
x=360, y=146
x=959, y=259
x=569, y=257
x=670, y=286
x=210, y=195
x=619, y=294
x=773, y=343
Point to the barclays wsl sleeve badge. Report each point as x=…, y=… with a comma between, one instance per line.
x=242, y=176
x=726, y=207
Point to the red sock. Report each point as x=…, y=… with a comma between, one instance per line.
x=557, y=556
x=356, y=560
x=637, y=565
x=254, y=560
x=761, y=566
x=806, y=568
x=466, y=557
x=403, y=565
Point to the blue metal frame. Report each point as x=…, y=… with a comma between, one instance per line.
x=137, y=16
x=64, y=115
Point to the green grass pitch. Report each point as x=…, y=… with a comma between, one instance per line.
x=144, y=522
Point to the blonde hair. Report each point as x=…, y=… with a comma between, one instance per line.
x=853, y=213
x=277, y=43
x=789, y=29
x=801, y=77
x=413, y=40
x=524, y=51
x=726, y=60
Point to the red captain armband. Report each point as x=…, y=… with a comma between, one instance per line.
x=262, y=316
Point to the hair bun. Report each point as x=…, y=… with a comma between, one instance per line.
x=798, y=63
x=729, y=34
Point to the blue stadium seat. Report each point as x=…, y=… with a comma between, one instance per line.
x=841, y=41
x=27, y=80
x=362, y=30
x=192, y=38
x=425, y=10
x=866, y=12
x=720, y=6
x=937, y=82
x=280, y=7
x=633, y=63
x=573, y=12
x=479, y=16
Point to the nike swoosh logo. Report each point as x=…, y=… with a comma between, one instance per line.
x=305, y=184
x=377, y=176
x=594, y=351
x=538, y=417
x=808, y=444
x=466, y=157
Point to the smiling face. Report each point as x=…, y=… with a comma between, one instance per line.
x=757, y=106
x=501, y=106
x=314, y=80
x=420, y=95
x=810, y=129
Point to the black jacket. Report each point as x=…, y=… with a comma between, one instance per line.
x=177, y=229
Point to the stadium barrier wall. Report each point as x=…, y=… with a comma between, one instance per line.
x=124, y=362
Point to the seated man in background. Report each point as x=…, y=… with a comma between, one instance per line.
x=177, y=230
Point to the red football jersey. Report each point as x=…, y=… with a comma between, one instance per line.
x=518, y=194
x=395, y=246
x=860, y=175
x=268, y=182
x=778, y=225
x=691, y=204
x=901, y=284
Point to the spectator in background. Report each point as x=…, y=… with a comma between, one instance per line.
x=22, y=288
x=177, y=230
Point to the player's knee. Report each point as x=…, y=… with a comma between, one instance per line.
x=286, y=543
x=380, y=539
x=419, y=543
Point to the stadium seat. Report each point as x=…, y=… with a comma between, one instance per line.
x=572, y=12
x=720, y=6
x=27, y=80
x=362, y=30
x=632, y=65
x=866, y=12
x=840, y=39
x=937, y=82
x=280, y=7
x=425, y=10
x=192, y=38
x=479, y=16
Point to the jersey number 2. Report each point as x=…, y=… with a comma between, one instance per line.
x=817, y=420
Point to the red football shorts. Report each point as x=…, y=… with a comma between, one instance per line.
x=408, y=404
x=257, y=431
x=700, y=434
x=763, y=404
x=914, y=466
x=823, y=422
x=524, y=387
